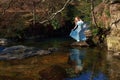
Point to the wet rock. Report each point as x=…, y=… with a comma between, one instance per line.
x=3, y=41
x=80, y=44
x=20, y=52
x=53, y=73
x=52, y=49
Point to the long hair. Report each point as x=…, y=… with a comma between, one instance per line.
x=78, y=18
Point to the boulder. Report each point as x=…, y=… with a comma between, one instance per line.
x=52, y=49
x=3, y=41
x=116, y=55
x=20, y=52
x=54, y=72
x=114, y=1
x=113, y=39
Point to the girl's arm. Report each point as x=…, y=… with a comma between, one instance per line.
x=75, y=27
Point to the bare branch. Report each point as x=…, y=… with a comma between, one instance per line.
x=54, y=14
x=115, y=22
x=8, y=6
x=93, y=14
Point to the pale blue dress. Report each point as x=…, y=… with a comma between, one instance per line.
x=78, y=32
x=77, y=56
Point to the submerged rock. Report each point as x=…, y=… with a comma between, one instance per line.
x=53, y=73
x=20, y=52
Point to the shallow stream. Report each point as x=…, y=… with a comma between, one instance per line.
x=91, y=61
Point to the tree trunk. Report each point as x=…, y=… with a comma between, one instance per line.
x=92, y=14
x=34, y=14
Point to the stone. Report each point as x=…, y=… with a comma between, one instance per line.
x=116, y=55
x=113, y=43
x=109, y=17
x=80, y=44
x=21, y=52
x=52, y=49
x=114, y=1
x=3, y=41
x=113, y=39
x=54, y=72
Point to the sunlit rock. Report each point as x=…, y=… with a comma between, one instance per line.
x=113, y=43
x=117, y=55
x=113, y=39
x=114, y=1
x=3, y=41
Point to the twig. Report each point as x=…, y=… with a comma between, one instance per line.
x=55, y=13
x=92, y=13
x=115, y=22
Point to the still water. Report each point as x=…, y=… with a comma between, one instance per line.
x=86, y=63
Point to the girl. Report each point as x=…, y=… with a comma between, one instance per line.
x=78, y=31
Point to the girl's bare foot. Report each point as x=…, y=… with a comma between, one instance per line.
x=78, y=69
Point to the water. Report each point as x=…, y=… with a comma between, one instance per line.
x=78, y=56
x=87, y=76
x=90, y=62
x=1, y=48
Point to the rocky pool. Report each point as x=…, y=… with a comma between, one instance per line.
x=88, y=63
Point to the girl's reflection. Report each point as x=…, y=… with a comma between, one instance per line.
x=76, y=58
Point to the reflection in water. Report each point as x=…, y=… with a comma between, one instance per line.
x=77, y=56
x=30, y=65
x=87, y=75
x=1, y=48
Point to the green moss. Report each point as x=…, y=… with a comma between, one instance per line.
x=55, y=23
x=107, y=12
x=95, y=31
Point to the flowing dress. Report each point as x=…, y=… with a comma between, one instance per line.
x=78, y=32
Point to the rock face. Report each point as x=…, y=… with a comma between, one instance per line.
x=109, y=15
x=113, y=39
x=20, y=52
